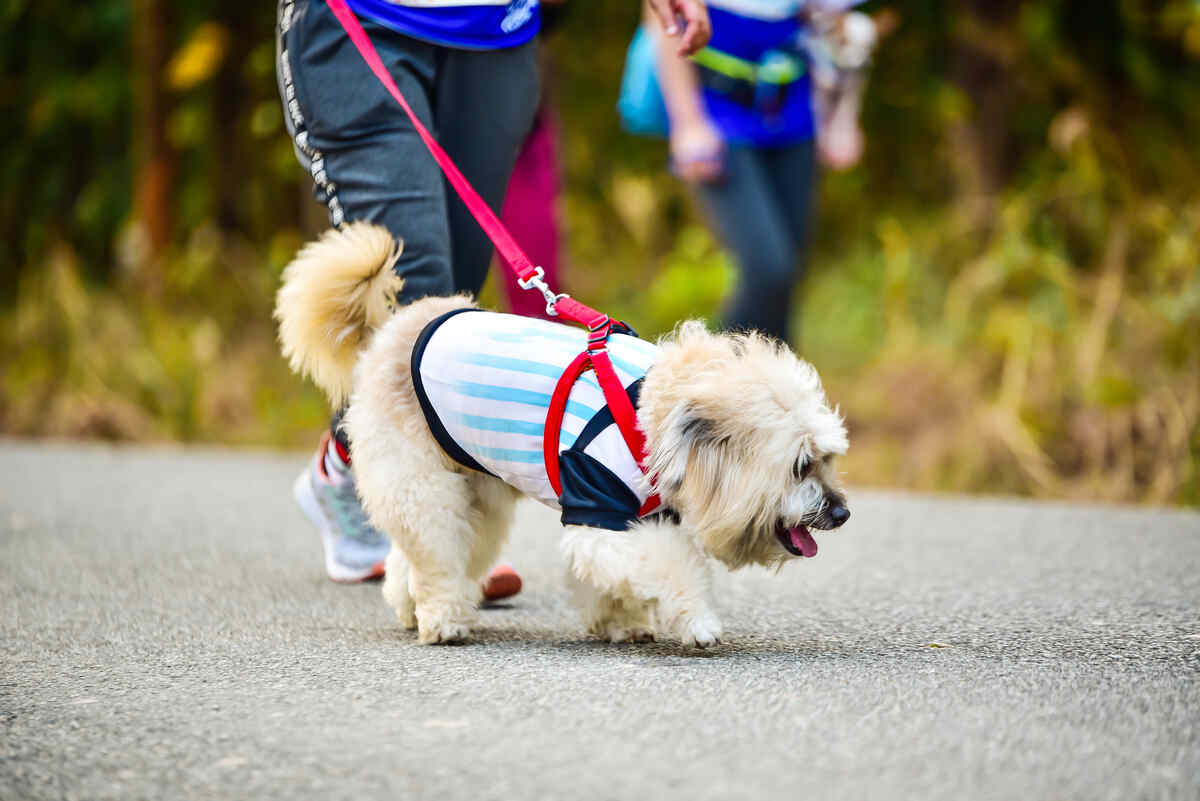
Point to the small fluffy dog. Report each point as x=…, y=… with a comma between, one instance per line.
x=740, y=441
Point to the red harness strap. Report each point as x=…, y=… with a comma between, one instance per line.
x=624, y=415
x=554, y=418
x=599, y=325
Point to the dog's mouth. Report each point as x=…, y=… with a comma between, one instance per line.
x=796, y=540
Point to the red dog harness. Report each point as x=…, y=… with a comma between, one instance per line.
x=599, y=325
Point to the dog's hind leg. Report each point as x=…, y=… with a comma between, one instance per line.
x=395, y=588
x=438, y=545
x=427, y=509
x=494, y=500
x=655, y=564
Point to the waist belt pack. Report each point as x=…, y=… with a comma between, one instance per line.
x=762, y=85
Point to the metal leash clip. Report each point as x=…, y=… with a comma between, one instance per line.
x=535, y=282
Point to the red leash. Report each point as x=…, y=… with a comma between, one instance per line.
x=599, y=325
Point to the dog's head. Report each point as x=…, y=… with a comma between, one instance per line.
x=742, y=443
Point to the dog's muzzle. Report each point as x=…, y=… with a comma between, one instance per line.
x=798, y=540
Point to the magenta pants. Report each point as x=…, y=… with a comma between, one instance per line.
x=531, y=213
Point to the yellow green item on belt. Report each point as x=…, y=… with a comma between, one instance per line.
x=776, y=67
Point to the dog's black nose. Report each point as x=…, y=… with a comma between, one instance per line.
x=838, y=514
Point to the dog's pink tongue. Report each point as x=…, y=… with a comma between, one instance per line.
x=803, y=541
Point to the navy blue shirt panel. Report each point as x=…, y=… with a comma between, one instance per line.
x=593, y=495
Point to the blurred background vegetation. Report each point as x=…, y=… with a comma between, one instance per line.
x=1004, y=297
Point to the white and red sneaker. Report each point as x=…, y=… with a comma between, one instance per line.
x=354, y=549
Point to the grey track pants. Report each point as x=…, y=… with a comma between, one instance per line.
x=761, y=209
x=366, y=159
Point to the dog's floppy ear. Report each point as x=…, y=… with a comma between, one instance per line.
x=686, y=428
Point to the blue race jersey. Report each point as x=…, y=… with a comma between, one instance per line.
x=466, y=25
x=757, y=87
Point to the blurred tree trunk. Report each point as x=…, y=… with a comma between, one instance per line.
x=230, y=115
x=153, y=164
x=983, y=68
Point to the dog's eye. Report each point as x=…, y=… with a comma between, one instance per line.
x=827, y=459
x=800, y=468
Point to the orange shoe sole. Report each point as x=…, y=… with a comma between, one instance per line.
x=502, y=582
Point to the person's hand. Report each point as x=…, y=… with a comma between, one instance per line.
x=839, y=136
x=694, y=15
x=841, y=149
x=697, y=151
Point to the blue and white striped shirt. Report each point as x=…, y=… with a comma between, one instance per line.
x=485, y=381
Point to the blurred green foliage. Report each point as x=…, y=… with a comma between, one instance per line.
x=1003, y=297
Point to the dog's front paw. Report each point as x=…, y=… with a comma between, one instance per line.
x=615, y=632
x=702, y=632
x=443, y=633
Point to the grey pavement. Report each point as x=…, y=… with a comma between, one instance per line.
x=167, y=632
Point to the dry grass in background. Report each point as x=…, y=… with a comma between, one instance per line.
x=1004, y=297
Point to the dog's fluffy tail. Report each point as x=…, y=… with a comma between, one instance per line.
x=335, y=294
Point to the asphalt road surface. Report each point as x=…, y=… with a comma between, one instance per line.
x=167, y=632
